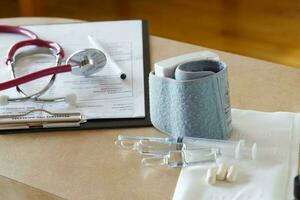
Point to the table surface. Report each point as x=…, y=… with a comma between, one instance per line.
x=87, y=164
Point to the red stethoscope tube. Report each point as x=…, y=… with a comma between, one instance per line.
x=35, y=75
x=18, y=30
x=33, y=41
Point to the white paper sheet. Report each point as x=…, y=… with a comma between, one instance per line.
x=268, y=178
x=103, y=95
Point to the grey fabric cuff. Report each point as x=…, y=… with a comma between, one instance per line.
x=195, y=103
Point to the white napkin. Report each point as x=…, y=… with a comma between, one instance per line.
x=270, y=177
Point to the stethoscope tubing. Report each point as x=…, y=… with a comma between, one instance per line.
x=18, y=30
x=53, y=49
x=16, y=81
x=35, y=75
x=34, y=42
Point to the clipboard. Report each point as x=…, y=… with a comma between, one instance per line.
x=74, y=121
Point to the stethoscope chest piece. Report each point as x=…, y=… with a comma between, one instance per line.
x=87, y=61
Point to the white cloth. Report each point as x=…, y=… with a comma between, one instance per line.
x=270, y=177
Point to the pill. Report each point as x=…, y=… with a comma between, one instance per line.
x=211, y=176
x=222, y=172
x=232, y=174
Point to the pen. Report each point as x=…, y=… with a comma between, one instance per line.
x=98, y=46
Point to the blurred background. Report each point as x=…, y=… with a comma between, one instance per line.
x=265, y=29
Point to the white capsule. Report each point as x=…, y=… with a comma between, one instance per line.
x=211, y=176
x=232, y=174
x=221, y=172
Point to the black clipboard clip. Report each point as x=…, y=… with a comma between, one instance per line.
x=40, y=118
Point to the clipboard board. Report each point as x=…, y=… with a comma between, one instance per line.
x=78, y=124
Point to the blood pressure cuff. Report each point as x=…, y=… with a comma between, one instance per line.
x=195, y=102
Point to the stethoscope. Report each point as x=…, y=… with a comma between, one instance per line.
x=83, y=62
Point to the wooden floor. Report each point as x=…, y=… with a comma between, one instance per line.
x=265, y=29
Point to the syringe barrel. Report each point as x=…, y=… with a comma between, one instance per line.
x=228, y=148
x=202, y=142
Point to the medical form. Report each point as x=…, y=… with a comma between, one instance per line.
x=102, y=95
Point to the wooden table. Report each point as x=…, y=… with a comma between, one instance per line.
x=87, y=164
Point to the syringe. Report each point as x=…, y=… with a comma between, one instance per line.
x=162, y=146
